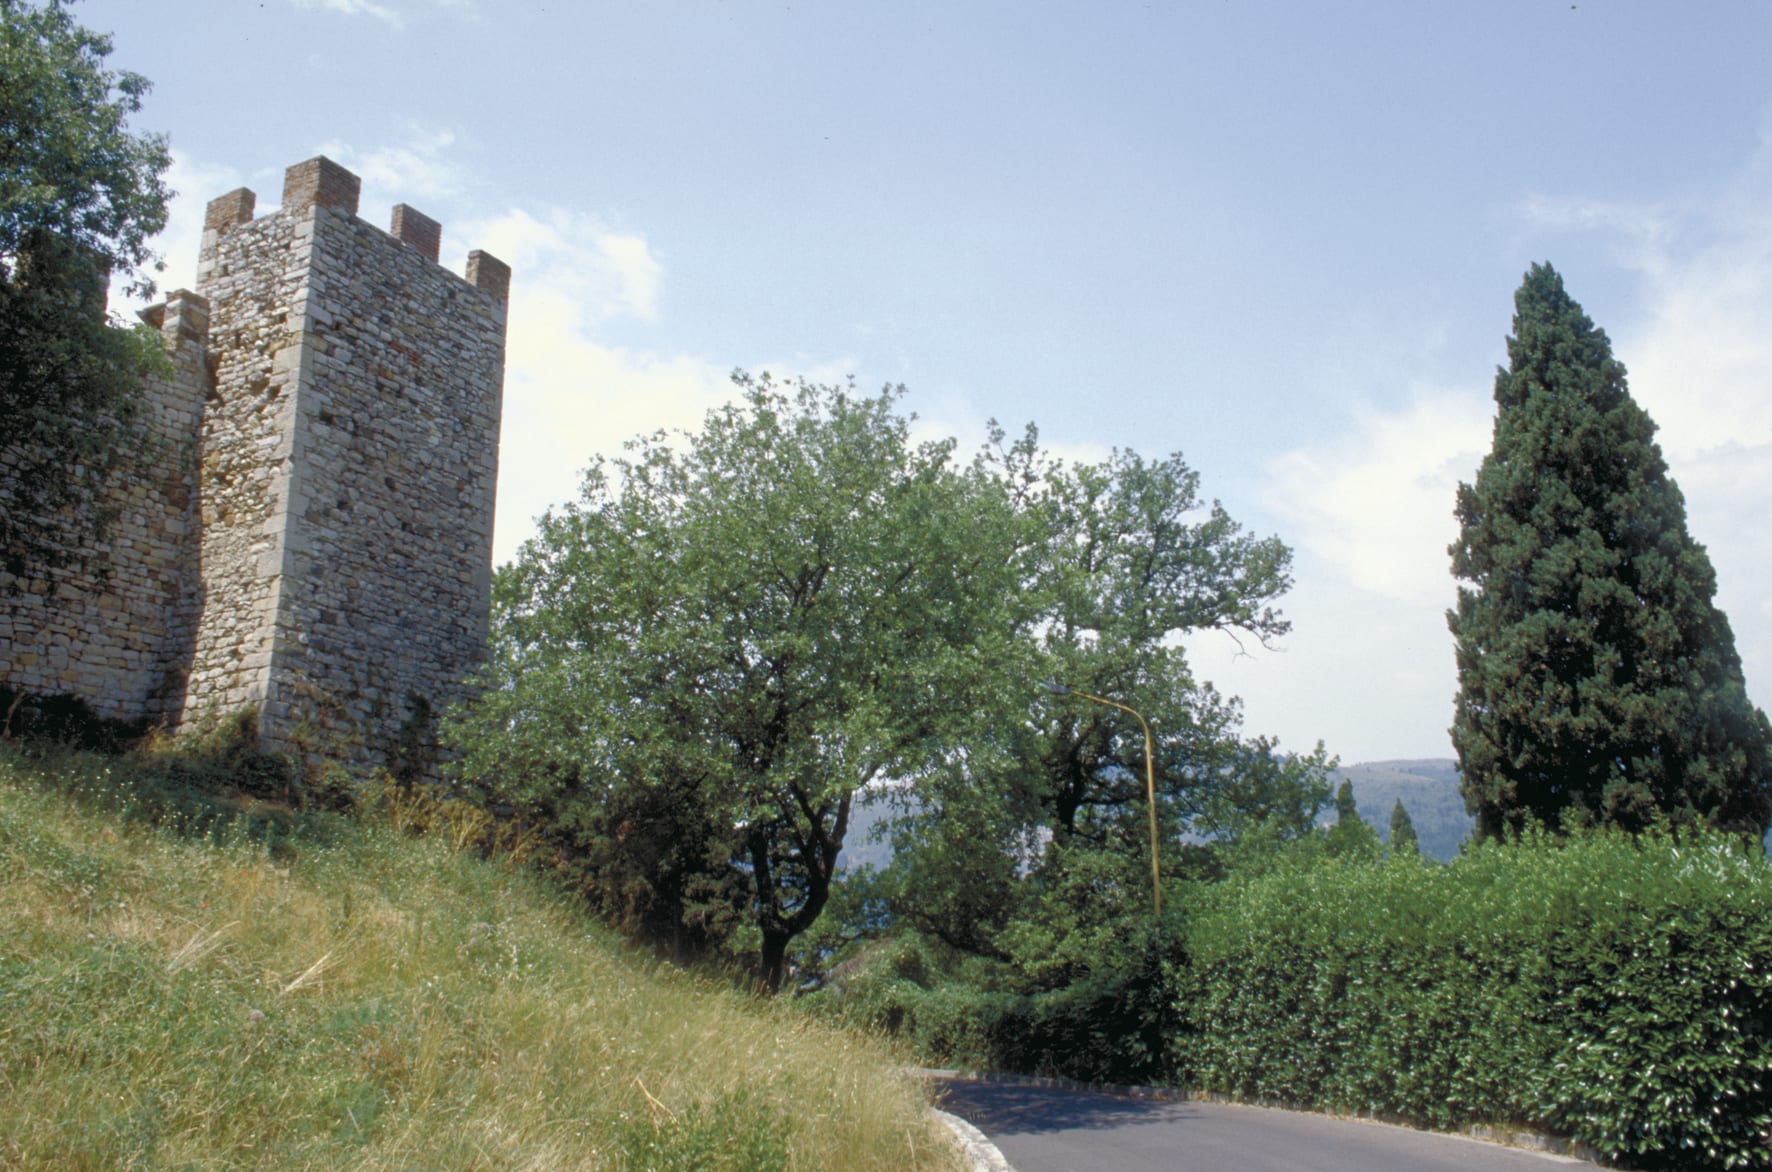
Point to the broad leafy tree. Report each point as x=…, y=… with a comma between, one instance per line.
x=1129, y=559
x=80, y=195
x=698, y=666
x=1119, y=560
x=1598, y=681
x=69, y=163
x=1021, y=887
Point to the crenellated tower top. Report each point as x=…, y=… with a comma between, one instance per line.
x=321, y=183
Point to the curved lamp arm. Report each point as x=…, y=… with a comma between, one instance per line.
x=1150, y=777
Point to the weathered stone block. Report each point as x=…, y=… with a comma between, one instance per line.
x=414, y=229
x=319, y=182
x=226, y=211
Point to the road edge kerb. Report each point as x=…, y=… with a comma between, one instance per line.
x=1502, y=1135
x=981, y=1154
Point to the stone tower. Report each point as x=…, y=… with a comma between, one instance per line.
x=315, y=540
x=348, y=461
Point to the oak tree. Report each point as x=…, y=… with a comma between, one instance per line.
x=699, y=665
x=1117, y=562
x=80, y=196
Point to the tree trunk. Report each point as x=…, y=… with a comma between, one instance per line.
x=772, y=960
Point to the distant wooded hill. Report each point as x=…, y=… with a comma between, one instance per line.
x=1429, y=791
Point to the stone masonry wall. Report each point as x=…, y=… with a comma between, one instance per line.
x=385, y=587
x=248, y=271
x=112, y=624
x=320, y=543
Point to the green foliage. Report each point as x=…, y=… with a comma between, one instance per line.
x=1350, y=836
x=1118, y=561
x=698, y=666
x=70, y=395
x=1020, y=886
x=211, y=778
x=729, y=1135
x=79, y=197
x=1402, y=838
x=70, y=167
x=1105, y=1012
x=1597, y=680
x=1256, y=793
x=1126, y=558
x=1610, y=989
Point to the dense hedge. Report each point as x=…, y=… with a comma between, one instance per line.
x=1114, y=1024
x=1615, y=991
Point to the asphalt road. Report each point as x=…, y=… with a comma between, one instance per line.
x=1040, y=1129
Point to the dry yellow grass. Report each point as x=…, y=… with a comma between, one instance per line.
x=354, y=997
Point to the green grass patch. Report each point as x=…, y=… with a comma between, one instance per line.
x=191, y=980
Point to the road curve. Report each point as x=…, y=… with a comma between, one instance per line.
x=1046, y=1129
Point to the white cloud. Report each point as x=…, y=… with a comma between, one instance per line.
x=418, y=168
x=1368, y=668
x=1640, y=233
x=1375, y=503
x=1698, y=350
x=389, y=14
x=381, y=12
x=574, y=266
x=1700, y=360
x=569, y=395
x=567, y=398
x=1699, y=355
x=1371, y=678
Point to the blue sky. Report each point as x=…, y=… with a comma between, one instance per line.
x=1280, y=238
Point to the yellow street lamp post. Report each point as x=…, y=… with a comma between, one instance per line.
x=1150, y=777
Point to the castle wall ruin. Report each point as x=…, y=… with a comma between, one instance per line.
x=314, y=539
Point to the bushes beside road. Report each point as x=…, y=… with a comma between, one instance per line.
x=1615, y=991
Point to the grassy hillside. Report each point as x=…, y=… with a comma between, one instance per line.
x=313, y=991
x=1429, y=791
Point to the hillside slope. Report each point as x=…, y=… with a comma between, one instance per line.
x=1428, y=790
x=324, y=992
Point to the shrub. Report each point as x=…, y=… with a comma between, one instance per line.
x=1110, y=1022
x=1609, y=989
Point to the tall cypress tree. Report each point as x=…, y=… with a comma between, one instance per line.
x=1347, y=811
x=1597, y=680
x=1350, y=835
x=1403, y=840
